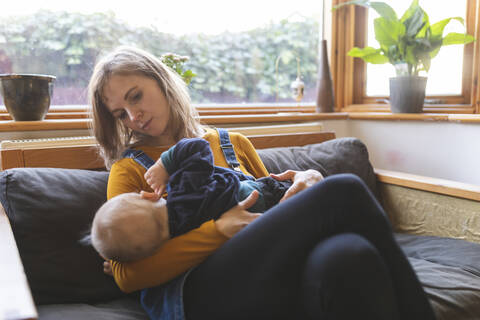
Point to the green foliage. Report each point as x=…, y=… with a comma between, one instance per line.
x=410, y=40
x=229, y=67
x=175, y=62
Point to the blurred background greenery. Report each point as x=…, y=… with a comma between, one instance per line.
x=230, y=67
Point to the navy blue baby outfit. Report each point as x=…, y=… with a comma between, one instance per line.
x=199, y=191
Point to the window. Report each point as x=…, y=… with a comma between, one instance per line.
x=451, y=85
x=447, y=65
x=232, y=47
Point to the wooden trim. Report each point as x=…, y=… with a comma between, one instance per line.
x=205, y=112
x=475, y=92
x=200, y=107
x=398, y=116
x=468, y=83
x=54, y=115
x=360, y=68
x=64, y=124
x=219, y=120
x=461, y=118
x=334, y=58
x=12, y=159
x=76, y=157
x=289, y=139
x=465, y=118
x=441, y=186
x=463, y=109
x=15, y=298
x=87, y=157
x=355, y=112
x=456, y=100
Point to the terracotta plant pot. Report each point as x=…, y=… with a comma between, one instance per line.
x=407, y=94
x=26, y=96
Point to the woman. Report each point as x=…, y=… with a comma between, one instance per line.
x=326, y=253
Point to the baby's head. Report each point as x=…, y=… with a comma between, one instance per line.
x=128, y=227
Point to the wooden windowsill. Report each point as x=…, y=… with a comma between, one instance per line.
x=470, y=118
x=69, y=124
x=61, y=123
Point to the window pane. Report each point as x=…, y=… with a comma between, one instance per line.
x=445, y=75
x=232, y=47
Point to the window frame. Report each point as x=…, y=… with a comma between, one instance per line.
x=349, y=29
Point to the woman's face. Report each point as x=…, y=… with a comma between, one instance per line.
x=139, y=103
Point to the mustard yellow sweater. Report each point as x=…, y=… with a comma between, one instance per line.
x=181, y=253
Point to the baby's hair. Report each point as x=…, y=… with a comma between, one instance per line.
x=125, y=230
x=112, y=136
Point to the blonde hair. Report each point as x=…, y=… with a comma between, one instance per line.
x=112, y=135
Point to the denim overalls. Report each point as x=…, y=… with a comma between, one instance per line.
x=165, y=302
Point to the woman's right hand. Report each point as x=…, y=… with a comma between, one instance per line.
x=237, y=218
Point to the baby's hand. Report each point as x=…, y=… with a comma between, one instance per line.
x=157, y=177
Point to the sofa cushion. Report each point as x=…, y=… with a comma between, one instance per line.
x=50, y=210
x=342, y=155
x=449, y=270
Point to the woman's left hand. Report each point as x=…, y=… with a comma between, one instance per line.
x=301, y=180
x=107, y=268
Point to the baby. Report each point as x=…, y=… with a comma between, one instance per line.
x=130, y=227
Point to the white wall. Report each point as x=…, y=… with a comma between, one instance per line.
x=446, y=150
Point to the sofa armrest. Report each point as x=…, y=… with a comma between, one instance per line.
x=441, y=186
x=15, y=298
x=430, y=206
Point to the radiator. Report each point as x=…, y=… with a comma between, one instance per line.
x=47, y=142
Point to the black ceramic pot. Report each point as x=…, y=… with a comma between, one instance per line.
x=26, y=96
x=407, y=94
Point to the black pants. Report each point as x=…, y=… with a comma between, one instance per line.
x=326, y=253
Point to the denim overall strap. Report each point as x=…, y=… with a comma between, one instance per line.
x=227, y=149
x=140, y=157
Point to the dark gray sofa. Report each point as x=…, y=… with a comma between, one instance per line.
x=50, y=209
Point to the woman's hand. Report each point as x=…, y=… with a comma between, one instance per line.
x=107, y=268
x=301, y=180
x=237, y=217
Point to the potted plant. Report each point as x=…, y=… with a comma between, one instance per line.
x=409, y=43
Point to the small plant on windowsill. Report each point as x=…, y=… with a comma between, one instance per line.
x=176, y=62
x=408, y=43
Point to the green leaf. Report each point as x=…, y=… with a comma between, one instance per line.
x=436, y=45
x=384, y=10
x=425, y=31
x=457, y=38
x=369, y=54
x=415, y=23
x=410, y=57
x=410, y=11
x=437, y=28
x=426, y=62
x=388, y=32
